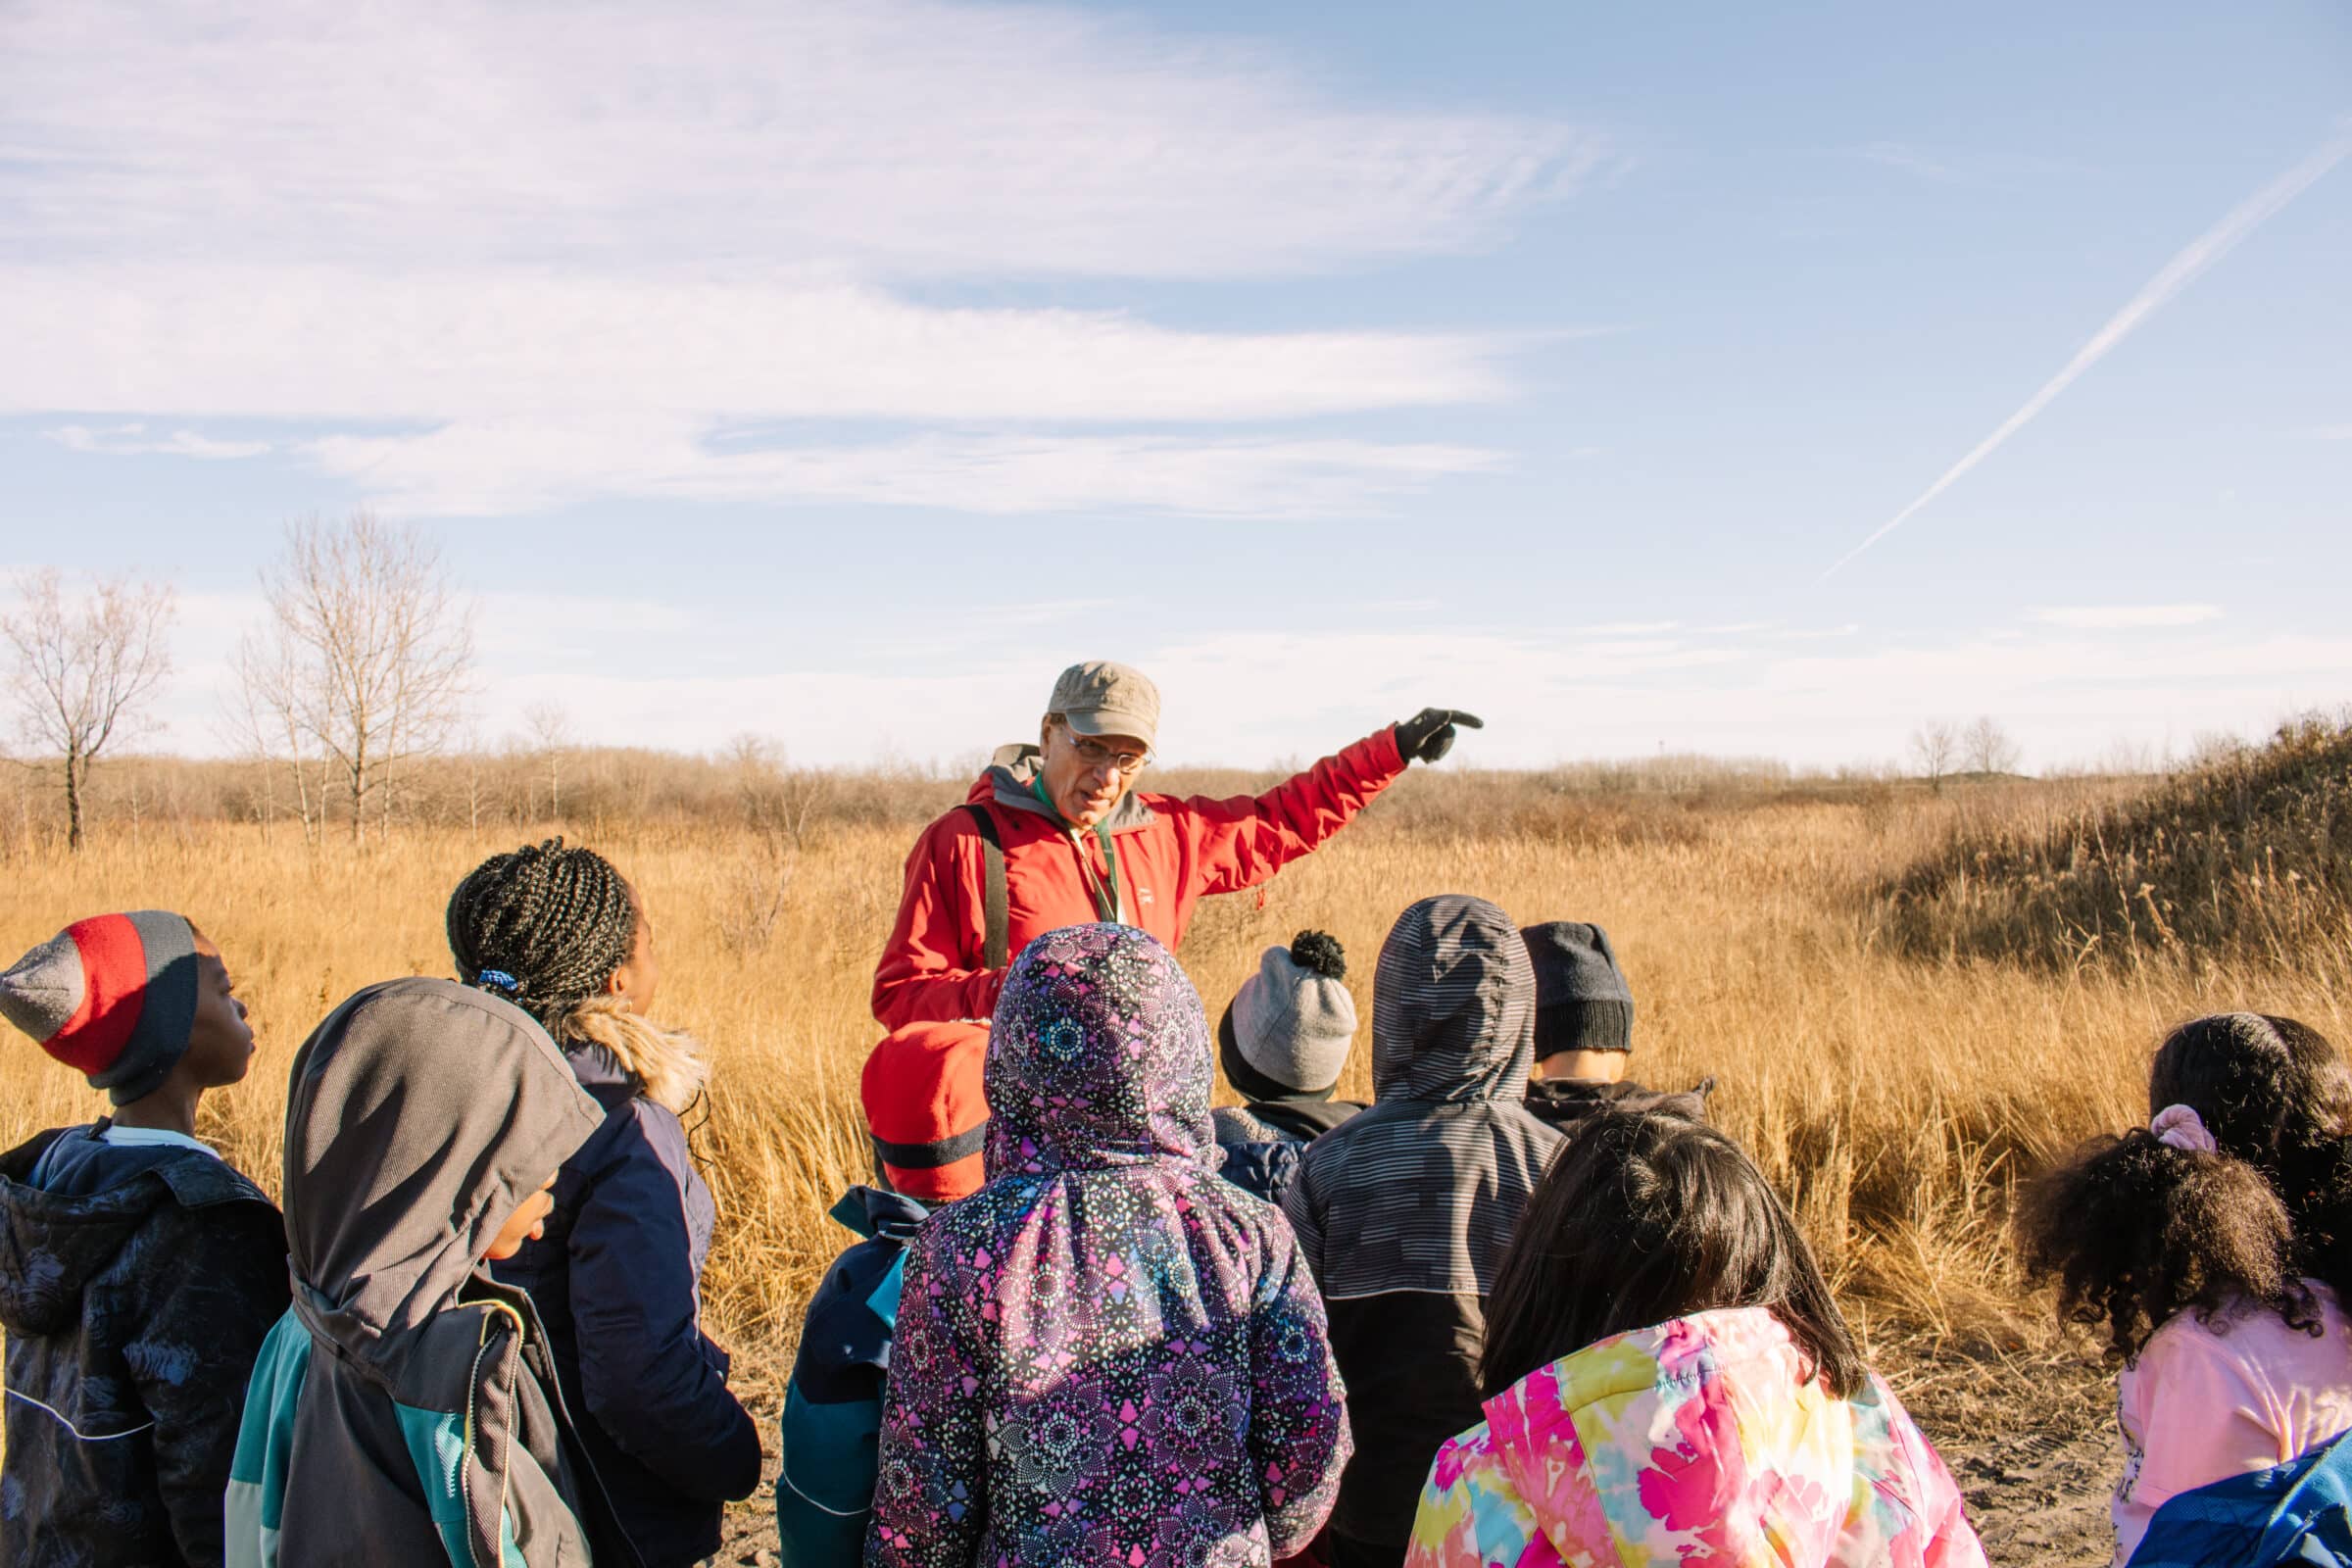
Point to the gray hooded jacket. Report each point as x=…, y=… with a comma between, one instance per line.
x=405, y=1411
x=1404, y=1211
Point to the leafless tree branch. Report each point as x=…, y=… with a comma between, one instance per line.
x=366, y=660
x=82, y=673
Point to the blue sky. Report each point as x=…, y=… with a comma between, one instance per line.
x=837, y=371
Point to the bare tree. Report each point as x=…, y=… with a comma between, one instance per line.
x=1988, y=747
x=470, y=748
x=365, y=660
x=264, y=714
x=780, y=805
x=550, y=729
x=84, y=670
x=1936, y=744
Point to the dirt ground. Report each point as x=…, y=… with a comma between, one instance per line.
x=2029, y=1439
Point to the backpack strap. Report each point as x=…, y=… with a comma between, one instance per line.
x=995, y=955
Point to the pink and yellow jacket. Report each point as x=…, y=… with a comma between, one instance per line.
x=1694, y=1441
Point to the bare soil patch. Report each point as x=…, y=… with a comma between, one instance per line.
x=2030, y=1439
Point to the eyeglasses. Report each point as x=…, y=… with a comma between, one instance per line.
x=1094, y=754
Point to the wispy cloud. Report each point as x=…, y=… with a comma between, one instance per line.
x=2176, y=275
x=489, y=258
x=2116, y=617
x=636, y=388
x=317, y=344
x=496, y=467
x=131, y=440
x=915, y=136
x=2327, y=432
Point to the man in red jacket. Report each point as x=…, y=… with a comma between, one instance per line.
x=1080, y=843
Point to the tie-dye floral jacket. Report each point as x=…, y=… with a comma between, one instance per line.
x=1107, y=1354
x=1692, y=1442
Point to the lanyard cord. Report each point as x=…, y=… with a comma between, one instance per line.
x=1105, y=901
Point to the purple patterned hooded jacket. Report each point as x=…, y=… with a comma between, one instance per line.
x=1107, y=1354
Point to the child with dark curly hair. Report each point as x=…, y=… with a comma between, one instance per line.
x=557, y=930
x=2211, y=1246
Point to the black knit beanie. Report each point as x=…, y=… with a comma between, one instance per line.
x=544, y=927
x=1582, y=1003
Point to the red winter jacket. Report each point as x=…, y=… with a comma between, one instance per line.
x=1172, y=853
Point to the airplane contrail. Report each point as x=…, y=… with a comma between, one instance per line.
x=2178, y=274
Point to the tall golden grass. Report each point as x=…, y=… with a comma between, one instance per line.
x=1894, y=1100
x=2248, y=855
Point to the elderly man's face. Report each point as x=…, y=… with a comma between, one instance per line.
x=1086, y=775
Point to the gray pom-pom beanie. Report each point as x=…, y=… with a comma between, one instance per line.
x=1286, y=1033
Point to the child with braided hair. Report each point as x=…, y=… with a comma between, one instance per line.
x=2211, y=1246
x=557, y=930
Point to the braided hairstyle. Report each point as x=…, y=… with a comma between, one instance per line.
x=544, y=926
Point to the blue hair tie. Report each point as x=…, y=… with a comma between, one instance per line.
x=498, y=980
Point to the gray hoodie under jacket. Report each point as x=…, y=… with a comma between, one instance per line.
x=405, y=1410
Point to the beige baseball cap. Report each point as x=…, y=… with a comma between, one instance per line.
x=1101, y=698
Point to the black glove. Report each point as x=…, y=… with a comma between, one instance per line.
x=1429, y=734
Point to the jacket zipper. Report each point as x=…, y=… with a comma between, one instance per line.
x=474, y=1384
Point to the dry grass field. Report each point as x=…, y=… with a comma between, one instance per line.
x=1896, y=1098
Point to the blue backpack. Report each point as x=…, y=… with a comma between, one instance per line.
x=2294, y=1514
x=833, y=1405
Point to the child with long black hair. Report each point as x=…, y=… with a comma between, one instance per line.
x=1668, y=1379
x=2211, y=1247
x=557, y=930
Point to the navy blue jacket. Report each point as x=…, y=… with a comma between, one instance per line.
x=617, y=1281
x=833, y=1405
x=1261, y=1143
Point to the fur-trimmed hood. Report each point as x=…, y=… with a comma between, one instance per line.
x=615, y=1283
x=666, y=1065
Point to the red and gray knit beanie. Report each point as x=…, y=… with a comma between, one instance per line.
x=113, y=997
x=926, y=1110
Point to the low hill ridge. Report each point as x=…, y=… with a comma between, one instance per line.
x=2247, y=855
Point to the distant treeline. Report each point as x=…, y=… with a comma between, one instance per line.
x=751, y=785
